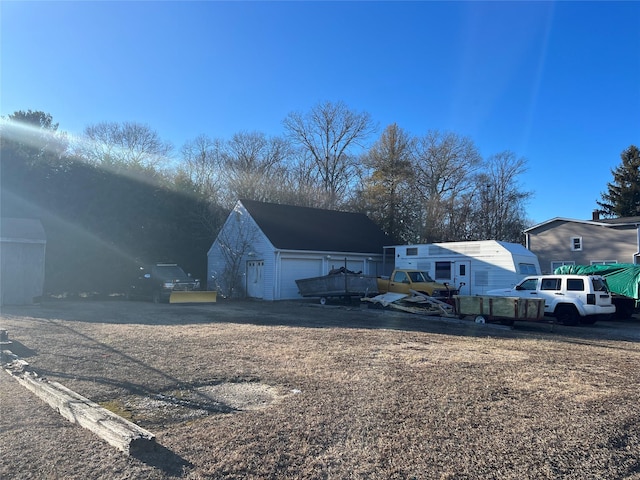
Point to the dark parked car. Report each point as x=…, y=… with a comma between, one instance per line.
x=156, y=282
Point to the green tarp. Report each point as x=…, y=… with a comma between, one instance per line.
x=622, y=278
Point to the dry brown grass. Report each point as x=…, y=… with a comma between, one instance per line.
x=285, y=390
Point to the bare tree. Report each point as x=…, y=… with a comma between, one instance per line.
x=500, y=209
x=201, y=167
x=255, y=166
x=330, y=132
x=299, y=184
x=444, y=165
x=124, y=145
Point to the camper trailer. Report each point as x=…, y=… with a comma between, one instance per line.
x=473, y=267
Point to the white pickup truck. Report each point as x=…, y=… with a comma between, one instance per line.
x=572, y=299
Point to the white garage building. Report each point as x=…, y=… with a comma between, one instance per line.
x=263, y=248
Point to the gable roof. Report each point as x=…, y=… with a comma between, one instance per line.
x=608, y=222
x=290, y=227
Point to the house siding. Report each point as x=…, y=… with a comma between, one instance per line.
x=553, y=243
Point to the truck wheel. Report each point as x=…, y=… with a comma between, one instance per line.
x=567, y=315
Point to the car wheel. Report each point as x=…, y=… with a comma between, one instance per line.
x=567, y=315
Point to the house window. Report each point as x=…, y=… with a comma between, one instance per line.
x=603, y=262
x=555, y=265
x=412, y=251
x=576, y=244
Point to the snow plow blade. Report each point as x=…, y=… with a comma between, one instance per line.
x=193, y=297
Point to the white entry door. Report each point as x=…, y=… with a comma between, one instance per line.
x=462, y=275
x=255, y=279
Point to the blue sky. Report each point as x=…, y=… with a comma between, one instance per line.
x=555, y=82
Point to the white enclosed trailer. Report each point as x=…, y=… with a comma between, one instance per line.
x=479, y=265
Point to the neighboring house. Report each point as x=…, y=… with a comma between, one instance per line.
x=263, y=248
x=22, y=252
x=564, y=241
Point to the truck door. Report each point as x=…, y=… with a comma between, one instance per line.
x=462, y=275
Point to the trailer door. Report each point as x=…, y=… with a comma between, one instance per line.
x=462, y=275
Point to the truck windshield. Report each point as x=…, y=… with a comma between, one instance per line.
x=420, y=277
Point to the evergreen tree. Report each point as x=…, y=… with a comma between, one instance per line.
x=623, y=196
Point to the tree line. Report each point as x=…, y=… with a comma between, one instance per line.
x=118, y=195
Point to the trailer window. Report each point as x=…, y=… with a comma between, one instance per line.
x=443, y=270
x=482, y=278
x=527, y=268
x=412, y=251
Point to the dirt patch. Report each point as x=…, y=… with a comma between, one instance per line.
x=183, y=405
x=292, y=390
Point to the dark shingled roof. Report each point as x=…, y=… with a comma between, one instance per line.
x=313, y=229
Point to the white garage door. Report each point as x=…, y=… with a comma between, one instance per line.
x=294, y=269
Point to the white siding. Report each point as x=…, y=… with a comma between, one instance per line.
x=239, y=233
x=281, y=268
x=492, y=264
